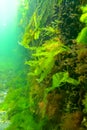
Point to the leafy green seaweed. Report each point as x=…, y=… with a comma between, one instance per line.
x=62, y=77
x=82, y=37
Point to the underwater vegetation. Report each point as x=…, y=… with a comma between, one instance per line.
x=82, y=35
x=50, y=93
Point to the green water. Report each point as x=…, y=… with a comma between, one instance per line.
x=10, y=51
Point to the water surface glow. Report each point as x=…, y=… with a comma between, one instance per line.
x=8, y=27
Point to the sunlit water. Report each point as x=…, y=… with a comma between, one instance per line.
x=10, y=51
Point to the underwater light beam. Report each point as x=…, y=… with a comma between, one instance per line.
x=8, y=11
x=8, y=23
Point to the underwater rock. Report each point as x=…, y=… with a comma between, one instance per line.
x=69, y=24
x=72, y=121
